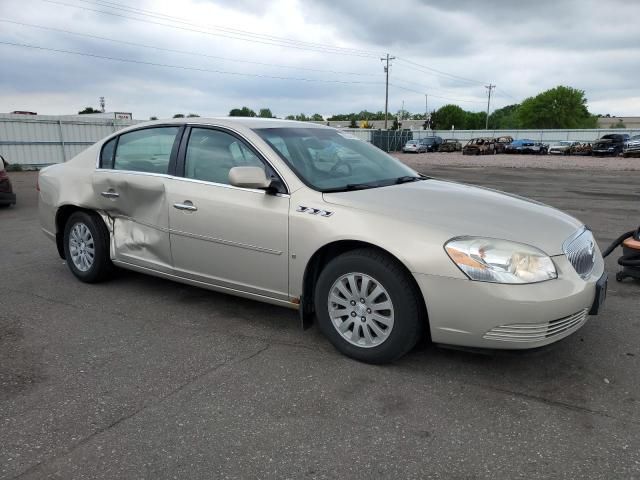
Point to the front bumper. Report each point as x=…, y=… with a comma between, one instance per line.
x=497, y=316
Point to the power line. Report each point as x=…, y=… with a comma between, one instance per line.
x=427, y=88
x=184, y=52
x=238, y=34
x=424, y=68
x=333, y=50
x=183, y=67
x=186, y=21
x=436, y=96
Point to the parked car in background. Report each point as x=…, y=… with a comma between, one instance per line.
x=450, y=145
x=563, y=147
x=414, y=146
x=431, y=143
x=7, y=197
x=480, y=146
x=502, y=142
x=526, y=145
x=610, y=145
x=632, y=147
x=376, y=253
x=581, y=149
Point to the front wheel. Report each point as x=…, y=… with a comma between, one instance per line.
x=86, y=247
x=368, y=307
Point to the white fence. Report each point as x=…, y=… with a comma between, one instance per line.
x=42, y=140
x=546, y=136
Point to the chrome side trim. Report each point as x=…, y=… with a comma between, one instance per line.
x=225, y=242
x=190, y=124
x=208, y=286
x=226, y=185
x=192, y=180
x=202, y=237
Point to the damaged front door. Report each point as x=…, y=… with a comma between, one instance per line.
x=131, y=190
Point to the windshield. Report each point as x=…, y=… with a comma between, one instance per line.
x=328, y=160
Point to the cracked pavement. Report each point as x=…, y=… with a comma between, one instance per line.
x=144, y=378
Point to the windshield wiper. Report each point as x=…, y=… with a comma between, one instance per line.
x=408, y=179
x=351, y=186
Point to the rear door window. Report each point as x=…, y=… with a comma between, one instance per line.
x=147, y=150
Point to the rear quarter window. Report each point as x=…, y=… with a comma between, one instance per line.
x=106, y=156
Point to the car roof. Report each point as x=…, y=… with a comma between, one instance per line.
x=247, y=122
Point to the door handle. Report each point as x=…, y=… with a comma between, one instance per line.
x=186, y=205
x=110, y=194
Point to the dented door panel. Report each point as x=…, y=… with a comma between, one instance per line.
x=136, y=203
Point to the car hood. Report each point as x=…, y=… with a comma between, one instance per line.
x=454, y=209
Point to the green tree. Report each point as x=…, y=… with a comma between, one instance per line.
x=475, y=120
x=449, y=116
x=504, y=118
x=302, y=117
x=265, y=113
x=242, y=112
x=316, y=117
x=153, y=118
x=88, y=110
x=353, y=123
x=618, y=124
x=193, y=115
x=560, y=107
x=178, y=115
x=290, y=117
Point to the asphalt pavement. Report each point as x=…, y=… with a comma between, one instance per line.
x=148, y=379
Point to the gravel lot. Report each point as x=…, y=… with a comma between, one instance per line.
x=145, y=378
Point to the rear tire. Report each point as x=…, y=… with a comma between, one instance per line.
x=86, y=247
x=379, y=320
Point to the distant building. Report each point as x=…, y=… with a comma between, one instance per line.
x=612, y=122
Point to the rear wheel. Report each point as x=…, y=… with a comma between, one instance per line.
x=86, y=247
x=368, y=307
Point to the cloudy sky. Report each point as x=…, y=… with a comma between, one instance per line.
x=160, y=57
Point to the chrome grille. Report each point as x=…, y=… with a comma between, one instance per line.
x=533, y=332
x=580, y=249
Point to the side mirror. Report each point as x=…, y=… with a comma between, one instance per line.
x=249, y=177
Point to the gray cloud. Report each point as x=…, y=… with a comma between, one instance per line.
x=523, y=47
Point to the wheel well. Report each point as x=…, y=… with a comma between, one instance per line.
x=62, y=215
x=318, y=261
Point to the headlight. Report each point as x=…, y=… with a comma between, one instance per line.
x=500, y=261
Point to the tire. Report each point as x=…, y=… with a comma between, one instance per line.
x=404, y=319
x=89, y=227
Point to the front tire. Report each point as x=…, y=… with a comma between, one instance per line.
x=86, y=247
x=368, y=307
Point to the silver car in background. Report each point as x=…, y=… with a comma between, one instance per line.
x=562, y=148
x=632, y=147
x=311, y=218
x=414, y=146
